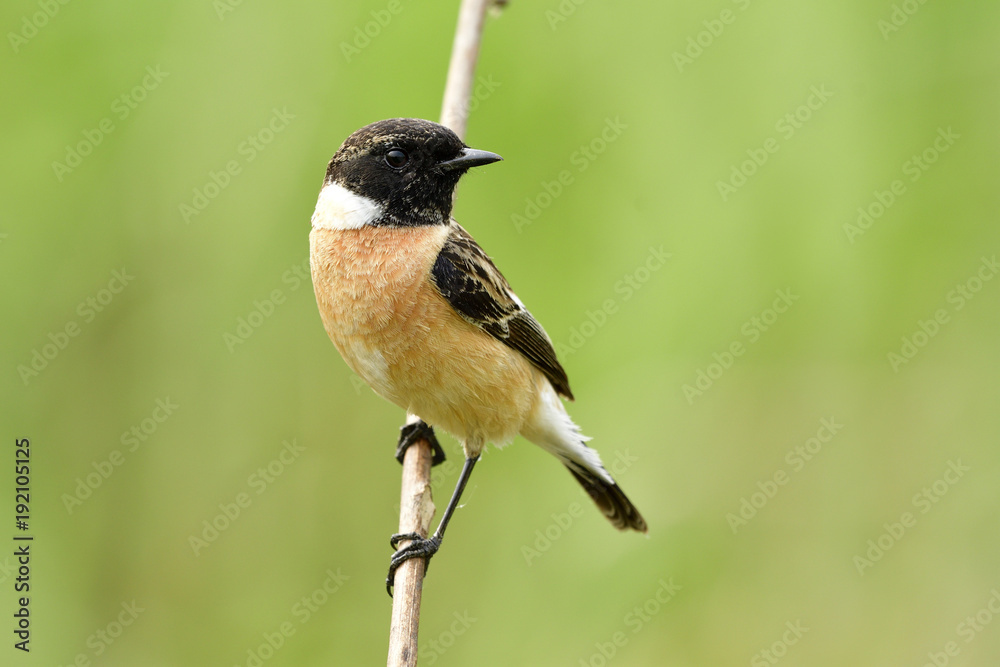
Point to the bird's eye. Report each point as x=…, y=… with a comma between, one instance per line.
x=396, y=158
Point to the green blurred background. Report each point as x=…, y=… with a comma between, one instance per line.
x=531, y=574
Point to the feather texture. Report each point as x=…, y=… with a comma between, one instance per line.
x=469, y=280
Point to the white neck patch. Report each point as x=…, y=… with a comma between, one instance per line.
x=339, y=208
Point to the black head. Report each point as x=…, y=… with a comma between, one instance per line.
x=407, y=166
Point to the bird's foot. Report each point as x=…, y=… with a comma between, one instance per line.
x=419, y=430
x=417, y=548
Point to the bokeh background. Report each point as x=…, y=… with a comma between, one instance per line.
x=756, y=554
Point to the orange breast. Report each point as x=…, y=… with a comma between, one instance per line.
x=396, y=331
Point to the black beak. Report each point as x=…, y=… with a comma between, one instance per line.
x=468, y=158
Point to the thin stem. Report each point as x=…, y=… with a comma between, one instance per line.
x=416, y=508
x=416, y=504
x=462, y=68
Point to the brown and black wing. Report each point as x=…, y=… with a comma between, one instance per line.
x=466, y=277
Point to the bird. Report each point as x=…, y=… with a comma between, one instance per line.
x=421, y=313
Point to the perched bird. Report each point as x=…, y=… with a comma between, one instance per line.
x=421, y=313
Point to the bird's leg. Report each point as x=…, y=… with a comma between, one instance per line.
x=425, y=548
x=419, y=430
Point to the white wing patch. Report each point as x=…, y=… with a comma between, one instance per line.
x=550, y=427
x=338, y=208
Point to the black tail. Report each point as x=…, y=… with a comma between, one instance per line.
x=611, y=500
